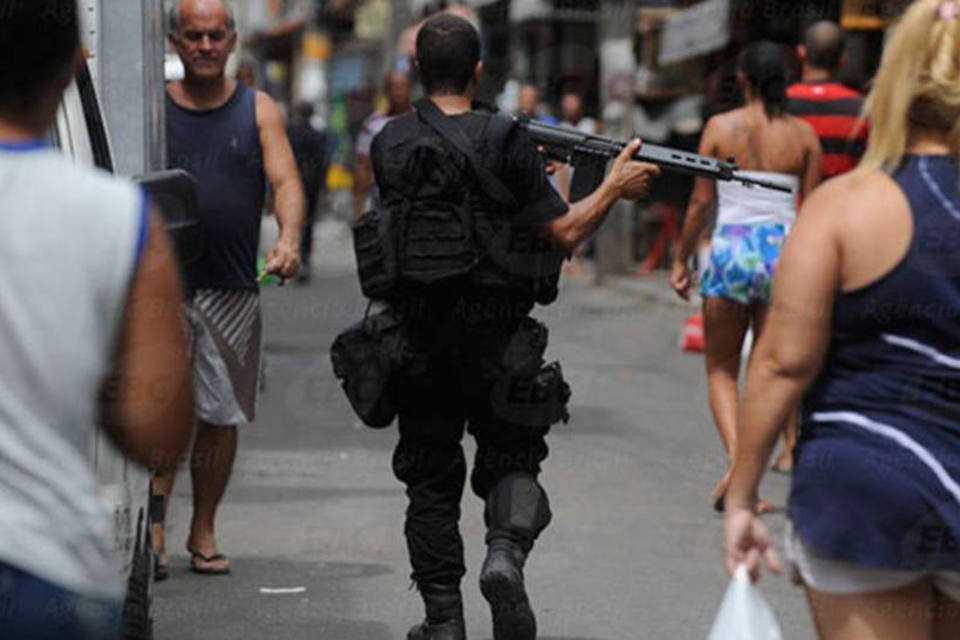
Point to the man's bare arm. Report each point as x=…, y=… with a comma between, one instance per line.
x=289, y=200
x=147, y=402
x=627, y=179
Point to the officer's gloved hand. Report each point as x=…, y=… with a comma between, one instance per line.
x=631, y=179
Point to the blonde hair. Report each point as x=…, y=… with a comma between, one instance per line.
x=918, y=83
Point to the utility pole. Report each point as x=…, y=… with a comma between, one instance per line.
x=126, y=42
x=615, y=33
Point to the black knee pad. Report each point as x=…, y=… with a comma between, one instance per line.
x=497, y=459
x=517, y=508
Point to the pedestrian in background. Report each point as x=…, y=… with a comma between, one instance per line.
x=310, y=150
x=751, y=225
x=529, y=105
x=864, y=329
x=231, y=137
x=246, y=73
x=90, y=292
x=572, y=115
x=831, y=108
x=398, y=91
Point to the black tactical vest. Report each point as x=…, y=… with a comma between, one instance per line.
x=434, y=224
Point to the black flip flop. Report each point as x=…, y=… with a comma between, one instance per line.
x=161, y=571
x=196, y=555
x=720, y=504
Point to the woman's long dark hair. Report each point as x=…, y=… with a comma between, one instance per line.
x=762, y=64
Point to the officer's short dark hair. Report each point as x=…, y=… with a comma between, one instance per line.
x=448, y=49
x=825, y=43
x=38, y=39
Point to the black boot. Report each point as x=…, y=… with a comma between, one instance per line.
x=444, y=615
x=501, y=582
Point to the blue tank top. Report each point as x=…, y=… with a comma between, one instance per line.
x=877, y=476
x=221, y=148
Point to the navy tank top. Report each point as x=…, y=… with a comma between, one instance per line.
x=877, y=476
x=221, y=148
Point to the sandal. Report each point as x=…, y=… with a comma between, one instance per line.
x=719, y=505
x=161, y=569
x=208, y=571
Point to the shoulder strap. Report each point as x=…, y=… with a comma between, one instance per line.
x=453, y=134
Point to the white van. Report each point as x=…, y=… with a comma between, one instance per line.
x=80, y=132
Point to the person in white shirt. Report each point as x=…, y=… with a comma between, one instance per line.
x=90, y=318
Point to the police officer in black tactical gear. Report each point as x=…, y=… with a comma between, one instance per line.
x=478, y=236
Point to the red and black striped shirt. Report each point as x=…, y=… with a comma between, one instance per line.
x=833, y=110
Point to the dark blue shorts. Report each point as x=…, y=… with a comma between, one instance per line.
x=34, y=609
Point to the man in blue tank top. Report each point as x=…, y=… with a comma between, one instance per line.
x=232, y=138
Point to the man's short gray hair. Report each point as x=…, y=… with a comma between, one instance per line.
x=173, y=16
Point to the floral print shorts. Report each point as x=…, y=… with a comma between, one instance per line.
x=743, y=258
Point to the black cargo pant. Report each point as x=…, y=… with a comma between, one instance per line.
x=448, y=385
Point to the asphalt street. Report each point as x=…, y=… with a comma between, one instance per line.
x=313, y=518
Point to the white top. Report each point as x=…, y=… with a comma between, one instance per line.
x=70, y=238
x=742, y=204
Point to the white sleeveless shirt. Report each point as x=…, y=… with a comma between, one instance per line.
x=70, y=239
x=742, y=204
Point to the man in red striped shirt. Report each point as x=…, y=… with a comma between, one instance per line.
x=831, y=108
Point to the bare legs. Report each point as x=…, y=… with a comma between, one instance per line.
x=161, y=485
x=211, y=464
x=725, y=325
x=213, y=453
x=914, y=612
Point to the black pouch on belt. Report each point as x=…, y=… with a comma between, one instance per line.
x=364, y=358
x=528, y=392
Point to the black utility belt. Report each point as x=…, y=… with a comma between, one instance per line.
x=495, y=309
x=373, y=356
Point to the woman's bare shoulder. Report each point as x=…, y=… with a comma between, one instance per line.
x=803, y=128
x=853, y=196
x=856, y=184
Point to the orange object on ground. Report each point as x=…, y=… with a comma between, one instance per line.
x=693, y=340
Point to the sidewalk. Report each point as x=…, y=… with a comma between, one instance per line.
x=653, y=287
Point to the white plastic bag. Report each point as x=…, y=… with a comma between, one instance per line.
x=744, y=614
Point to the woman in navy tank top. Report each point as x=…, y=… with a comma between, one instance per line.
x=865, y=337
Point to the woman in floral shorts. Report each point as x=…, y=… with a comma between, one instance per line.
x=752, y=224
